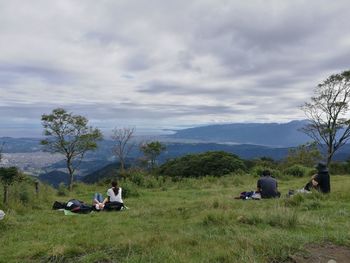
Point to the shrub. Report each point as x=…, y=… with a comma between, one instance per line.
x=62, y=190
x=339, y=168
x=129, y=190
x=257, y=171
x=296, y=170
x=137, y=178
x=24, y=196
x=216, y=163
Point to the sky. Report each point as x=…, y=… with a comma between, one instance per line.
x=161, y=64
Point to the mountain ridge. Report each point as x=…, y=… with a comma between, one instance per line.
x=264, y=134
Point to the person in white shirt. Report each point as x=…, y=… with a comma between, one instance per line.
x=115, y=193
x=114, y=199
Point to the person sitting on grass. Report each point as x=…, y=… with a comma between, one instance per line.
x=98, y=202
x=320, y=181
x=267, y=186
x=114, y=199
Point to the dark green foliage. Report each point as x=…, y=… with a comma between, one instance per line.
x=306, y=154
x=8, y=177
x=24, y=196
x=216, y=163
x=151, y=151
x=340, y=168
x=62, y=190
x=257, y=171
x=296, y=170
x=129, y=190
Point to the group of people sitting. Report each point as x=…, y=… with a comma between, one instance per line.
x=113, y=201
x=267, y=185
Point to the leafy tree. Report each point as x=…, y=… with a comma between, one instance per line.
x=8, y=176
x=306, y=155
x=70, y=136
x=122, y=144
x=216, y=163
x=151, y=151
x=329, y=124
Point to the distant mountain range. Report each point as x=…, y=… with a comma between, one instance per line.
x=266, y=134
x=247, y=140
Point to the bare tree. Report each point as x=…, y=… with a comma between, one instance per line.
x=329, y=123
x=122, y=144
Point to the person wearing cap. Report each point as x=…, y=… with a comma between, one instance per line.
x=267, y=186
x=321, y=180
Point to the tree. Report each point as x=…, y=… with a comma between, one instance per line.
x=70, y=136
x=122, y=145
x=214, y=163
x=8, y=176
x=151, y=151
x=306, y=154
x=329, y=124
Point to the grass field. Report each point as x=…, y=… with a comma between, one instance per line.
x=187, y=221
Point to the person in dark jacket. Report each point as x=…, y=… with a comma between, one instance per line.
x=267, y=186
x=321, y=180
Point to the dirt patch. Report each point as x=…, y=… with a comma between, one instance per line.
x=327, y=253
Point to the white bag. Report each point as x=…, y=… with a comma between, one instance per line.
x=2, y=215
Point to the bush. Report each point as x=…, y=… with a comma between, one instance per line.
x=340, y=168
x=137, y=178
x=129, y=190
x=24, y=196
x=296, y=170
x=257, y=171
x=216, y=163
x=62, y=190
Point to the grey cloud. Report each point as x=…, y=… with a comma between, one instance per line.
x=114, y=111
x=173, y=88
x=9, y=72
x=137, y=62
x=231, y=60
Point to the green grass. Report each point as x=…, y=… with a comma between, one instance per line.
x=186, y=221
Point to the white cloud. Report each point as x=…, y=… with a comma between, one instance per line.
x=168, y=63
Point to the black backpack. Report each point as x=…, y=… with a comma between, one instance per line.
x=113, y=206
x=58, y=205
x=77, y=206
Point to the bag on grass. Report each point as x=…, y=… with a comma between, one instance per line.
x=113, y=206
x=58, y=205
x=77, y=206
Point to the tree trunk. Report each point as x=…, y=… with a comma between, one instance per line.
x=71, y=182
x=329, y=155
x=36, y=184
x=6, y=191
x=122, y=167
x=70, y=170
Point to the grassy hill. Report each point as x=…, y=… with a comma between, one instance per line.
x=193, y=220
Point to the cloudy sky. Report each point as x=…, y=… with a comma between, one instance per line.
x=166, y=64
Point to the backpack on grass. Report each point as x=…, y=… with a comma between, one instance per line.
x=113, y=206
x=77, y=206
